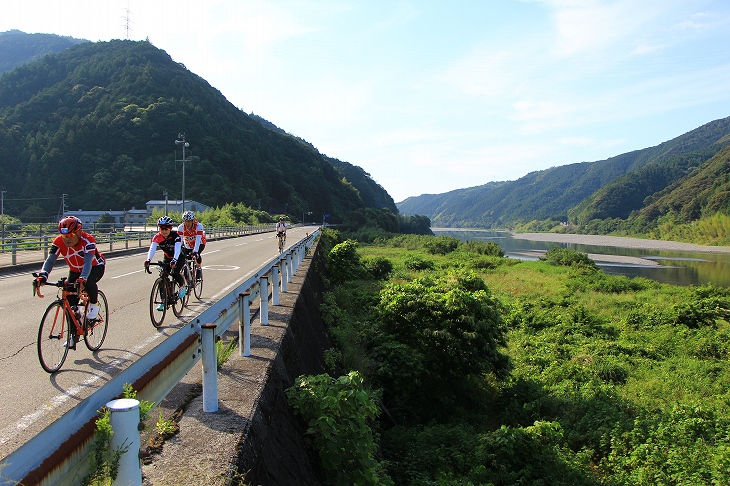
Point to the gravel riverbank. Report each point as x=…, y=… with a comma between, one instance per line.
x=620, y=241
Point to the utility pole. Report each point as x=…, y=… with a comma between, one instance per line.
x=181, y=140
x=165, y=194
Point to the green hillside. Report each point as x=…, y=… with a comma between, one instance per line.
x=611, y=188
x=98, y=122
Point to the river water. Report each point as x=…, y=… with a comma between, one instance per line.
x=675, y=267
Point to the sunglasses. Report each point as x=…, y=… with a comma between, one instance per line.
x=65, y=231
x=165, y=226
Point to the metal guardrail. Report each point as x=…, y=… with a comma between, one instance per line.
x=117, y=239
x=61, y=449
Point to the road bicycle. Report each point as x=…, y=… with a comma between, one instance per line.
x=281, y=236
x=56, y=334
x=165, y=294
x=193, y=276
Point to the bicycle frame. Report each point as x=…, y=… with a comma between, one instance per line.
x=66, y=289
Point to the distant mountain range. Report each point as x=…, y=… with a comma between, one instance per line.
x=685, y=176
x=97, y=122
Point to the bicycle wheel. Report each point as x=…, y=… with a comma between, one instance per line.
x=53, y=334
x=178, y=304
x=158, y=302
x=198, y=282
x=281, y=244
x=96, y=328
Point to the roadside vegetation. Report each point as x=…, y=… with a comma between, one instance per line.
x=469, y=368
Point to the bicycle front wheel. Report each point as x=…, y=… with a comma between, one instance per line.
x=198, y=282
x=178, y=304
x=53, y=335
x=158, y=302
x=96, y=328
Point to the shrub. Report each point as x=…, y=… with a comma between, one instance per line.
x=441, y=245
x=567, y=258
x=415, y=262
x=339, y=413
x=379, y=268
x=344, y=262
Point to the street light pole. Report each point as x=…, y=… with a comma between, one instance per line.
x=184, y=144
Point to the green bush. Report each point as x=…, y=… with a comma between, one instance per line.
x=441, y=245
x=344, y=262
x=379, y=268
x=566, y=258
x=339, y=414
x=416, y=262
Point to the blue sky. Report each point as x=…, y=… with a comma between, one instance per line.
x=430, y=96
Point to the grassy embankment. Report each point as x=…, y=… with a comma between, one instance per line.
x=611, y=380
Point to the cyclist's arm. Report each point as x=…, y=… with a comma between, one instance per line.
x=50, y=261
x=178, y=250
x=86, y=269
x=152, y=250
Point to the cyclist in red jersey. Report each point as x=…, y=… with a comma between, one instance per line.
x=193, y=235
x=170, y=242
x=85, y=263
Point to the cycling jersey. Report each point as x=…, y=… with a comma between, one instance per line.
x=170, y=246
x=281, y=227
x=193, y=237
x=80, y=257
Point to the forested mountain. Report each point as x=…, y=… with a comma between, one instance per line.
x=611, y=188
x=98, y=122
x=18, y=48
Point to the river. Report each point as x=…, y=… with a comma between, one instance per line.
x=678, y=267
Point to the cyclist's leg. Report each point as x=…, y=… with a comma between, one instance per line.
x=91, y=286
x=72, y=277
x=201, y=247
x=176, y=273
x=92, y=289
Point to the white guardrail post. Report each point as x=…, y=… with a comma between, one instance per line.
x=275, y=285
x=284, y=273
x=290, y=265
x=244, y=325
x=264, y=309
x=210, y=368
x=124, y=420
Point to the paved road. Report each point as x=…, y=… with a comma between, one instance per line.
x=30, y=398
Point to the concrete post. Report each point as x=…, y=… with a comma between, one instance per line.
x=210, y=368
x=124, y=420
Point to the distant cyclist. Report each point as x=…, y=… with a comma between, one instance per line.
x=193, y=236
x=85, y=263
x=281, y=228
x=170, y=242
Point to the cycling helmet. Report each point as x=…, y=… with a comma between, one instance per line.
x=188, y=216
x=69, y=224
x=281, y=218
x=165, y=221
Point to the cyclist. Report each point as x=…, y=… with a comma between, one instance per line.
x=281, y=228
x=193, y=236
x=170, y=242
x=85, y=263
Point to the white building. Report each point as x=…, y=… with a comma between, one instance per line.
x=175, y=206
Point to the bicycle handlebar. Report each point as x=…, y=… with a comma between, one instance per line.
x=62, y=283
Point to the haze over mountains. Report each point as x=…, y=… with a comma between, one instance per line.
x=106, y=116
x=685, y=176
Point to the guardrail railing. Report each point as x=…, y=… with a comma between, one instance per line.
x=59, y=451
x=118, y=239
